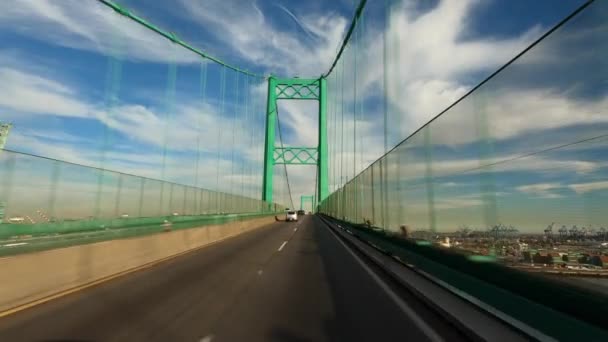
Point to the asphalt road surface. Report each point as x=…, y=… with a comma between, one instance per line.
x=285, y=282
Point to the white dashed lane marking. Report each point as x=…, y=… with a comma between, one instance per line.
x=282, y=245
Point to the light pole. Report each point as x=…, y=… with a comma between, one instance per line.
x=4, y=130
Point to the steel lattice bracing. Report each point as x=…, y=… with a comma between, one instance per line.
x=306, y=199
x=295, y=155
x=296, y=89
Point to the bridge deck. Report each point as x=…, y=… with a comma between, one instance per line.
x=242, y=289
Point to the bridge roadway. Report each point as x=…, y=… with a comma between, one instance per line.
x=284, y=282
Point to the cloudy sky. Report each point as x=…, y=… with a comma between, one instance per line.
x=82, y=84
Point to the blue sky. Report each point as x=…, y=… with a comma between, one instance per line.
x=64, y=105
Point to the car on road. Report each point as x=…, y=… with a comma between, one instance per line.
x=291, y=216
x=301, y=212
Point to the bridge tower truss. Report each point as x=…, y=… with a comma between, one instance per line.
x=296, y=89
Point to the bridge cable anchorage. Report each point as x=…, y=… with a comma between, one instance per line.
x=123, y=11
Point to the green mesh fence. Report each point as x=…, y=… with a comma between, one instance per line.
x=512, y=173
x=523, y=149
x=130, y=137
x=126, y=138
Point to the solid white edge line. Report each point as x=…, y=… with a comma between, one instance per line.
x=282, y=245
x=408, y=311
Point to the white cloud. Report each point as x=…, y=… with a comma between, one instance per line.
x=91, y=27
x=450, y=184
x=420, y=205
x=428, y=59
x=581, y=188
x=26, y=93
x=516, y=113
x=29, y=93
x=301, y=118
x=455, y=203
x=251, y=35
x=429, y=65
x=542, y=190
x=193, y=127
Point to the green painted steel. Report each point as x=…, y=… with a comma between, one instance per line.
x=122, y=10
x=271, y=119
x=295, y=89
x=353, y=24
x=323, y=166
x=295, y=155
x=306, y=199
x=458, y=169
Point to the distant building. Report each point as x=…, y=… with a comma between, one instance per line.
x=596, y=260
x=446, y=243
x=539, y=258
x=527, y=256
x=604, y=260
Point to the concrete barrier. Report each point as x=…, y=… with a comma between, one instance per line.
x=32, y=277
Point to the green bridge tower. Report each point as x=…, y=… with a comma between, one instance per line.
x=306, y=199
x=296, y=89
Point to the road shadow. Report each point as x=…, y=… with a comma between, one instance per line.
x=286, y=336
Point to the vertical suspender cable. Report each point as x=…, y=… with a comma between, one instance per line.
x=203, y=94
x=387, y=4
x=112, y=88
x=355, y=190
x=235, y=109
x=169, y=101
x=246, y=127
x=360, y=181
x=342, y=124
x=284, y=165
x=219, y=140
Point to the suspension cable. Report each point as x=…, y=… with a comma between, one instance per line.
x=122, y=10
x=353, y=23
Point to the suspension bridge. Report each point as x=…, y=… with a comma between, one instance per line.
x=152, y=205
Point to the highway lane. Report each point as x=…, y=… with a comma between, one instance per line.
x=284, y=282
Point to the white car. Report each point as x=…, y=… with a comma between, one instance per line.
x=291, y=216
